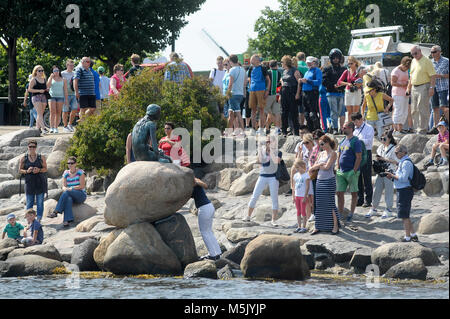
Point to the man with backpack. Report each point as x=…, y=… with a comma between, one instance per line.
x=365, y=133
x=349, y=160
x=405, y=178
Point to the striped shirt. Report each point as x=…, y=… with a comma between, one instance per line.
x=441, y=67
x=75, y=180
x=86, y=84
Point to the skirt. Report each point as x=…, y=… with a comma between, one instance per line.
x=325, y=204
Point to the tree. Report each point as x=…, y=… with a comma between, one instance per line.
x=113, y=29
x=317, y=27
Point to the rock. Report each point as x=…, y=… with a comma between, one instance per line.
x=55, y=194
x=147, y=191
x=429, y=145
x=437, y=272
x=31, y=265
x=291, y=142
x=105, y=242
x=94, y=184
x=391, y=254
x=361, y=258
x=83, y=255
x=194, y=210
x=222, y=262
x=263, y=213
x=6, y=177
x=211, y=179
x=13, y=166
x=244, y=184
x=62, y=144
x=48, y=251
x=216, y=167
x=88, y=224
x=14, y=138
x=81, y=212
x=225, y=273
x=175, y=232
x=10, y=209
x=81, y=239
x=433, y=185
x=414, y=142
x=323, y=261
x=247, y=163
x=10, y=188
x=445, y=181
x=4, y=252
x=309, y=258
x=274, y=256
x=102, y=227
x=8, y=242
x=227, y=177
x=416, y=157
x=54, y=162
x=284, y=188
x=203, y=269
x=433, y=223
x=236, y=235
x=237, y=252
x=409, y=269
x=139, y=249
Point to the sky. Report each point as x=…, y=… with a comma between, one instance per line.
x=229, y=22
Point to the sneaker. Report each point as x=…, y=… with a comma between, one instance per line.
x=55, y=130
x=277, y=131
x=405, y=240
x=274, y=224
x=70, y=127
x=246, y=219
x=45, y=131
x=443, y=162
x=303, y=230
x=252, y=132
x=386, y=214
x=349, y=217
x=430, y=163
x=66, y=130
x=312, y=218
x=371, y=212
x=260, y=131
x=297, y=230
x=415, y=238
x=365, y=205
x=267, y=131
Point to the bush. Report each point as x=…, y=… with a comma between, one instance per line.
x=99, y=141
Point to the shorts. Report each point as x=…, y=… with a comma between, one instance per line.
x=301, y=207
x=38, y=98
x=439, y=99
x=404, y=200
x=400, y=114
x=88, y=102
x=257, y=99
x=71, y=104
x=272, y=106
x=56, y=99
x=234, y=103
x=347, y=179
x=352, y=98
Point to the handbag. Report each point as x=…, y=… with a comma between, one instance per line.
x=282, y=173
x=385, y=118
x=313, y=174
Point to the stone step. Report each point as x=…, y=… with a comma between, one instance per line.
x=3, y=167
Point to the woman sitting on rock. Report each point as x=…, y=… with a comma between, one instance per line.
x=171, y=145
x=269, y=163
x=205, y=219
x=74, y=191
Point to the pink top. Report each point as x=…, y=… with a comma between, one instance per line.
x=347, y=77
x=402, y=79
x=443, y=138
x=119, y=84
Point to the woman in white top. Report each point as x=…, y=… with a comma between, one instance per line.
x=385, y=152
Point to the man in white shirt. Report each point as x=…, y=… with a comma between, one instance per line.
x=217, y=74
x=70, y=106
x=365, y=133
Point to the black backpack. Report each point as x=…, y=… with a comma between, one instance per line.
x=44, y=177
x=418, y=180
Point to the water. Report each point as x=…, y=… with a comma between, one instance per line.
x=239, y=288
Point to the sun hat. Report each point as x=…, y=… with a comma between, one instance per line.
x=10, y=216
x=442, y=123
x=310, y=59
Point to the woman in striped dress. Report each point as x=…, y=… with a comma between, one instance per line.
x=74, y=191
x=327, y=217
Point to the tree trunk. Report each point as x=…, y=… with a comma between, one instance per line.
x=11, y=109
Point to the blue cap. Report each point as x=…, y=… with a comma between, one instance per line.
x=10, y=216
x=442, y=123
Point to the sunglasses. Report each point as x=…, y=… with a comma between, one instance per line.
x=55, y=70
x=167, y=128
x=305, y=142
x=70, y=163
x=322, y=144
x=351, y=63
x=40, y=70
x=433, y=52
x=31, y=146
x=384, y=139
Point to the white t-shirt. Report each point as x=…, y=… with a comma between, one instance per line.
x=389, y=153
x=300, y=184
x=217, y=79
x=104, y=87
x=68, y=76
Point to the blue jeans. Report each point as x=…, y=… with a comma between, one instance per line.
x=66, y=201
x=33, y=116
x=336, y=107
x=39, y=204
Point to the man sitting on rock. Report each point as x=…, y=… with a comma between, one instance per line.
x=145, y=131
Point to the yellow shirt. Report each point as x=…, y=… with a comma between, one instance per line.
x=371, y=109
x=421, y=71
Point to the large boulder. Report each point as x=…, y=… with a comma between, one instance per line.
x=391, y=254
x=14, y=138
x=409, y=269
x=263, y=213
x=236, y=253
x=139, y=249
x=81, y=212
x=433, y=223
x=203, y=269
x=5, y=252
x=416, y=157
x=274, y=256
x=8, y=242
x=62, y=144
x=147, y=191
x=94, y=184
x=175, y=232
x=48, y=251
x=13, y=166
x=433, y=185
x=88, y=224
x=227, y=177
x=31, y=265
x=54, y=162
x=414, y=142
x=290, y=144
x=245, y=184
x=105, y=242
x=83, y=255
x=10, y=188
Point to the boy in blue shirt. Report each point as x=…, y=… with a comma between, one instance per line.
x=13, y=228
x=37, y=234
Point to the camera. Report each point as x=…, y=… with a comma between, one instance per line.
x=353, y=88
x=381, y=167
x=384, y=174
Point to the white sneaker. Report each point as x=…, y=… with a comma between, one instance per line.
x=312, y=218
x=246, y=219
x=66, y=130
x=371, y=212
x=55, y=130
x=252, y=132
x=273, y=224
x=386, y=214
x=70, y=127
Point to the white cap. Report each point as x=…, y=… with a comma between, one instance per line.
x=310, y=59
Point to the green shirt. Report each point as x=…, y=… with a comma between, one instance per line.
x=13, y=231
x=302, y=67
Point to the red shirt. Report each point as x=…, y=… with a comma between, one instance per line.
x=347, y=77
x=167, y=147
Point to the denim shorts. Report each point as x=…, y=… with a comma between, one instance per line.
x=57, y=99
x=71, y=104
x=234, y=103
x=439, y=99
x=404, y=199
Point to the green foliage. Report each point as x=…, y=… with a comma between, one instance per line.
x=99, y=142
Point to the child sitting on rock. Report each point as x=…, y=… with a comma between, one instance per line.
x=37, y=234
x=442, y=144
x=13, y=228
x=301, y=182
